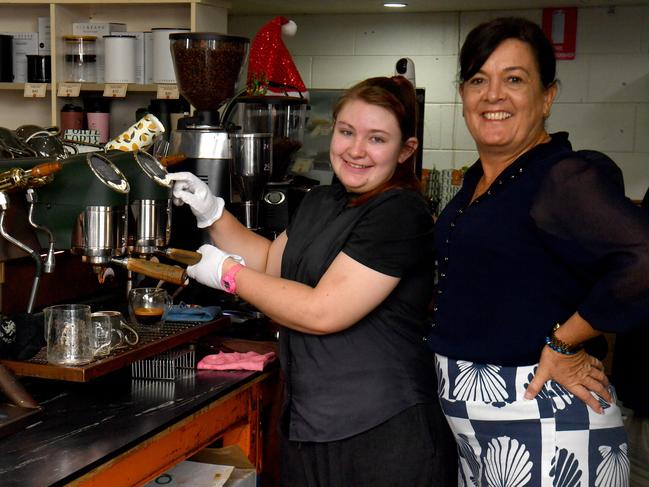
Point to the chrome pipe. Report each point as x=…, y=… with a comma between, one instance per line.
x=4, y=205
x=50, y=261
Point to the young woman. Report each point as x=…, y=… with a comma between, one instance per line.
x=350, y=280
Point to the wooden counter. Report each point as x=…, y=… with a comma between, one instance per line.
x=118, y=431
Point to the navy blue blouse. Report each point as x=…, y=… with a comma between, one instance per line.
x=554, y=234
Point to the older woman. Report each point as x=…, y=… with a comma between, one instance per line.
x=539, y=253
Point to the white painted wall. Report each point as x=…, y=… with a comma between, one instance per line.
x=603, y=100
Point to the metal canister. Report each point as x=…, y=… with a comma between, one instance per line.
x=149, y=202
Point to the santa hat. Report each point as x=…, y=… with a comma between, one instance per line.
x=270, y=65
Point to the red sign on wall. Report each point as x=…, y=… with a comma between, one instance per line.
x=560, y=26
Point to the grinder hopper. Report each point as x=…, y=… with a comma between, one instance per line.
x=207, y=67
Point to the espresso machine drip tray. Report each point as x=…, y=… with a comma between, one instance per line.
x=152, y=342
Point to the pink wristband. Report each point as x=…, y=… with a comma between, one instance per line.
x=227, y=280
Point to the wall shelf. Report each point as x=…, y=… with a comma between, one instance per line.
x=84, y=87
x=18, y=87
x=138, y=15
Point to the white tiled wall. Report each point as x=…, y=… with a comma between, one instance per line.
x=603, y=99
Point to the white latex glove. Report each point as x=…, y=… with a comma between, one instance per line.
x=187, y=188
x=208, y=271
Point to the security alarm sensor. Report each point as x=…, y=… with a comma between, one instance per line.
x=406, y=68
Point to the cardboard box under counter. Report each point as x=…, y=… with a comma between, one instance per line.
x=211, y=467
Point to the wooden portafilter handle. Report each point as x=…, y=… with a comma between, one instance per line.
x=168, y=161
x=45, y=169
x=156, y=270
x=187, y=257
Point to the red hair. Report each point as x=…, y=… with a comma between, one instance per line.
x=397, y=95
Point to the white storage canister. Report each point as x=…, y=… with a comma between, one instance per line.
x=119, y=58
x=163, y=66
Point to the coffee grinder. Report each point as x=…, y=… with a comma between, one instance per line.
x=250, y=171
x=284, y=117
x=207, y=67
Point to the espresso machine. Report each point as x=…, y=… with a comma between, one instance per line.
x=87, y=208
x=82, y=204
x=207, y=66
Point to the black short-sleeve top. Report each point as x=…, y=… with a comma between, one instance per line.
x=553, y=235
x=344, y=383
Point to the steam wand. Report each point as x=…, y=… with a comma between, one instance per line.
x=4, y=206
x=20, y=178
x=50, y=261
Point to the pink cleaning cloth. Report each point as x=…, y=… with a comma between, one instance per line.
x=236, y=361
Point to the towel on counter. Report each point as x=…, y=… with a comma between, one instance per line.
x=192, y=313
x=236, y=361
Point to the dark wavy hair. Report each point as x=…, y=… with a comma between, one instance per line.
x=483, y=40
x=397, y=95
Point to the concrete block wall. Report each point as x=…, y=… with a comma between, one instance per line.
x=603, y=100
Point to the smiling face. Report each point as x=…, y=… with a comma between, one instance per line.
x=366, y=146
x=505, y=103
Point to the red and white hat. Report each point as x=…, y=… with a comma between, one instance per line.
x=270, y=65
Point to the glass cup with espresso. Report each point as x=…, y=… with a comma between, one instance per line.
x=147, y=307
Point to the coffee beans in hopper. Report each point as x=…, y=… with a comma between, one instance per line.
x=207, y=77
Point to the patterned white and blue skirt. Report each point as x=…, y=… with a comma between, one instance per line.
x=503, y=439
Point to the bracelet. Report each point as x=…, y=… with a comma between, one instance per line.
x=228, y=282
x=559, y=345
